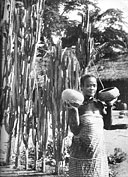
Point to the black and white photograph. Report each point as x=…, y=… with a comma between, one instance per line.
x=63, y=88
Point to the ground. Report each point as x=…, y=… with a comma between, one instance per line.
x=118, y=138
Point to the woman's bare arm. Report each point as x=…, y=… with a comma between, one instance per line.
x=74, y=120
x=108, y=117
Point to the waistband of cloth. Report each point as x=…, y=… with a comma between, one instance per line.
x=95, y=115
x=74, y=158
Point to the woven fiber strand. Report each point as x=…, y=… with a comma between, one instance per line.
x=83, y=168
x=88, y=157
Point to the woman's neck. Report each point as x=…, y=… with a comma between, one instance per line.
x=87, y=97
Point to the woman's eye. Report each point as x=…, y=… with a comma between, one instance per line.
x=91, y=85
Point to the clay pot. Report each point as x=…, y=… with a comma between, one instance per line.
x=108, y=94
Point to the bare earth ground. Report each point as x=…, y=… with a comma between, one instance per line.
x=118, y=138
x=115, y=138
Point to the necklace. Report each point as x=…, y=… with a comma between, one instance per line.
x=88, y=100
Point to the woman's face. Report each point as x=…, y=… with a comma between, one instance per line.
x=90, y=87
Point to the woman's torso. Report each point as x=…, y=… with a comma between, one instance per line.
x=88, y=143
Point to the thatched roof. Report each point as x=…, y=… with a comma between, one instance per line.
x=111, y=69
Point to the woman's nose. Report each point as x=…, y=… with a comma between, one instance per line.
x=92, y=87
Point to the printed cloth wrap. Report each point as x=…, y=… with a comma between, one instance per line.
x=88, y=157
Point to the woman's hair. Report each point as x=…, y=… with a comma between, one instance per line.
x=84, y=77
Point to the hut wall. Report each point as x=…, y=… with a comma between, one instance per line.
x=122, y=85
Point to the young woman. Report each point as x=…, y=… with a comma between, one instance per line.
x=87, y=156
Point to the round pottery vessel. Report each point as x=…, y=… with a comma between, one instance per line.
x=108, y=94
x=72, y=96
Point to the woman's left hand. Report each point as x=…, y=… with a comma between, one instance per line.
x=111, y=103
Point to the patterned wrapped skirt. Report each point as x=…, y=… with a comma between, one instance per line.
x=88, y=157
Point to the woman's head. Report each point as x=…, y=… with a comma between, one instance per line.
x=88, y=85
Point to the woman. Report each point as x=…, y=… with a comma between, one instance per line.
x=87, y=156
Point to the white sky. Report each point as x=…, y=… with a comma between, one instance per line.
x=120, y=4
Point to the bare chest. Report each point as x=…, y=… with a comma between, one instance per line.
x=90, y=108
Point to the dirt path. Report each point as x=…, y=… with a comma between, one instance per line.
x=118, y=138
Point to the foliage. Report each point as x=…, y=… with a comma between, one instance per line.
x=53, y=22
x=20, y=27
x=57, y=22
x=29, y=106
x=107, y=27
x=118, y=156
x=110, y=31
